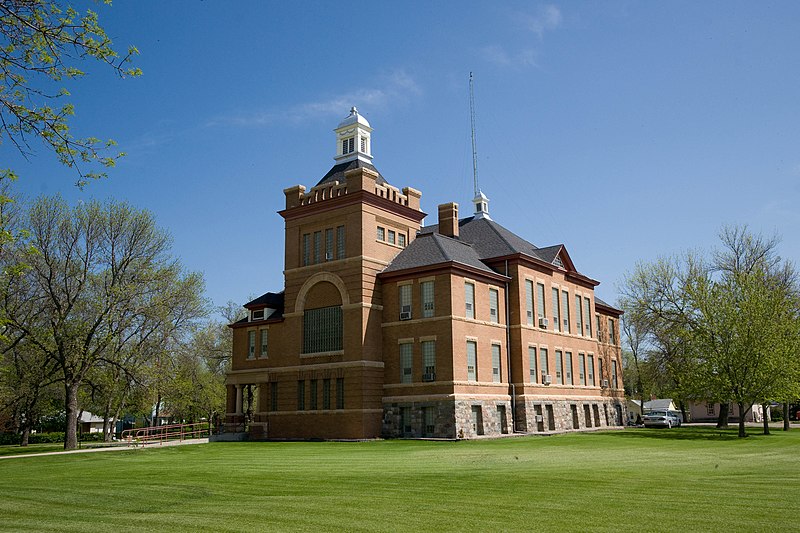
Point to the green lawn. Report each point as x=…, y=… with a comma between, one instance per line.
x=688, y=479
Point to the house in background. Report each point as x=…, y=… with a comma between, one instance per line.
x=385, y=327
x=89, y=423
x=709, y=412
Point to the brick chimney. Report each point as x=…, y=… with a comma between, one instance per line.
x=448, y=219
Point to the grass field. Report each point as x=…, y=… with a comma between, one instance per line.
x=688, y=479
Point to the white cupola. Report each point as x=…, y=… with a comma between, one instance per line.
x=481, y=205
x=353, y=139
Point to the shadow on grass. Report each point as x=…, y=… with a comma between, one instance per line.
x=683, y=433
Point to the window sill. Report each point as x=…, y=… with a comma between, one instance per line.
x=321, y=354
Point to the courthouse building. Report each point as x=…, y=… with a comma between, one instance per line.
x=385, y=327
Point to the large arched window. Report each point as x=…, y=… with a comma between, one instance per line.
x=322, y=319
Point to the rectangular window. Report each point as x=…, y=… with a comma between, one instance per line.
x=543, y=368
x=263, y=342
x=326, y=393
x=426, y=290
x=469, y=296
x=710, y=409
x=540, y=300
x=429, y=360
x=532, y=363
x=405, y=301
x=565, y=311
x=381, y=234
x=406, y=354
x=597, y=328
x=348, y=145
x=493, y=305
x=430, y=421
x=559, y=367
x=312, y=404
x=401, y=240
x=329, y=244
x=251, y=344
x=590, y=375
x=391, y=236
x=340, y=393
x=587, y=307
x=582, y=369
x=496, y=363
x=317, y=247
x=578, y=316
x=600, y=370
x=568, y=368
x=472, y=361
x=612, y=334
x=340, y=242
x=556, y=311
x=529, y=301
x=306, y=249
x=322, y=329
x=273, y=395
x=364, y=144
x=614, y=374
x=301, y=395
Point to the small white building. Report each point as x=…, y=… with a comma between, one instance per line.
x=90, y=423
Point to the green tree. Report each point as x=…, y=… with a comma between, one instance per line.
x=42, y=45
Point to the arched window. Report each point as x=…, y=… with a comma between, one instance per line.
x=322, y=319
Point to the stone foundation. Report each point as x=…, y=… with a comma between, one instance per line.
x=547, y=415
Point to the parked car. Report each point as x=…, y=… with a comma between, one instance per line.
x=664, y=419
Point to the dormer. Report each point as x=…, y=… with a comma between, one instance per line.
x=353, y=139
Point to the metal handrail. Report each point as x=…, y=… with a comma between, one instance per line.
x=162, y=434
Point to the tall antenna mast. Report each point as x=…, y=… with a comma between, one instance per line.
x=474, y=145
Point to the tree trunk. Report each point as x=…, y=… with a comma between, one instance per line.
x=786, y=416
x=26, y=433
x=765, y=417
x=71, y=404
x=722, y=420
x=682, y=407
x=742, y=432
x=158, y=409
x=106, y=417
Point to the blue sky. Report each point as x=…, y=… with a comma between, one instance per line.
x=625, y=130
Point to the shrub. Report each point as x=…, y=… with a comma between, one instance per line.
x=7, y=439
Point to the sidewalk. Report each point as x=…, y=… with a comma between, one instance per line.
x=112, y=448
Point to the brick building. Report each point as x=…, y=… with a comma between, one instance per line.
x=388, y=328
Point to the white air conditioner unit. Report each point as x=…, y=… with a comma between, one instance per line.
x=605, y=383
x=543, y=323
x=429, y=377
x=405, y=315
x=548, y=379
x=539, y=418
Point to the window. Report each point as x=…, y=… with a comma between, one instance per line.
x=578, y=315
x=340, y=393
x=348, y=145
x=301, y=395
x=306, y=249
x=496, y=363
x=612, y=334
x=597, y=329
x=587, y=307
x=540, y=300
x=364, y=144
x=257, y=315
x=251, y=344
x=263, y=342
x=340, y=242
x=406, y=354
x=322, y=329
x=568, y=368
x=532, y=363
x=472, y=361
x=405, y=300
x=391, y=236
x=493, y=304
x=401, y=240
x=329, y=244
x=565, y=310
x=381, y=234
x=600, y=369
x=582, y=369
x=326, y=393
x=590, y=375
x=543, y=363
x=614, y=373
x=273, y=395
x=469, y=296
x=430, y=421
x=317, y=247
x=556, y=319
x=559, y=367
x=710, y=410
x=529, y=301
x=426, y=288
x=429, y=360
x=312, y=404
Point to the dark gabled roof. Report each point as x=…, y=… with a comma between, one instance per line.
x=273, y=300
x=601, y=303
x=337, y=172
x=430, y=249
